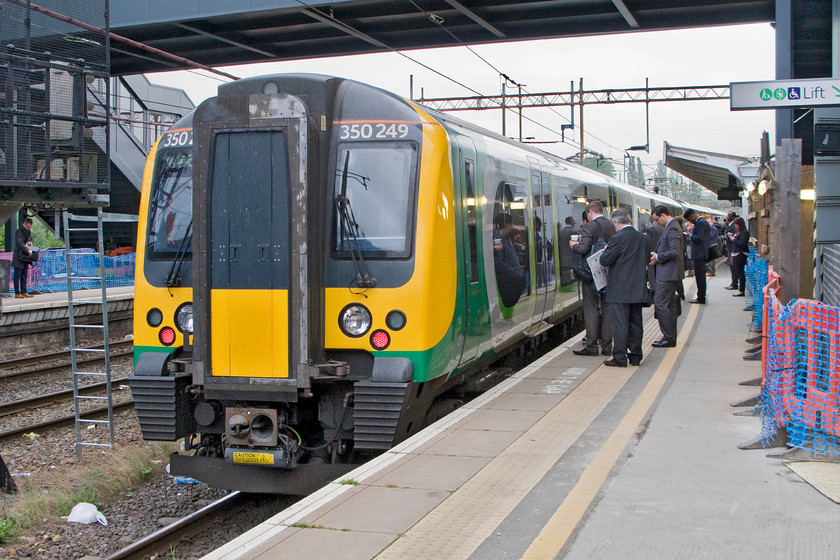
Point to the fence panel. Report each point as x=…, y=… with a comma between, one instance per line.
x=50, y=272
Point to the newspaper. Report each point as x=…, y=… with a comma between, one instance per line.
x=599, y=271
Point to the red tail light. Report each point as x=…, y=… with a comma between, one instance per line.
x=380, y=340
x=167, y=336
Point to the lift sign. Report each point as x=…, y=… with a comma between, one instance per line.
x=251, y=458
x=780, y=94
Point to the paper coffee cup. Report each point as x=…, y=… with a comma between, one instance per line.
x=575, y=237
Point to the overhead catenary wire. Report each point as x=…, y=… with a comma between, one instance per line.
x=332, y=18
x=439, y=21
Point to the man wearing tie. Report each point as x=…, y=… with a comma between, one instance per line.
x=626, y=257
x=669, y=270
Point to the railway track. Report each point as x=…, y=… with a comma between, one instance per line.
x=11, y=368
x=15, y=407
x=62, y=421
x=163, y=541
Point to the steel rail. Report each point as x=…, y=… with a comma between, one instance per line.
x=15, y=407
x=162, y=541
x=62, y=421
x=20, y=362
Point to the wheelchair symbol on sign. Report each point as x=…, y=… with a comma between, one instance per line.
x=793, y=93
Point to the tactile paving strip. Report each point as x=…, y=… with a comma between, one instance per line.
x=461, y=523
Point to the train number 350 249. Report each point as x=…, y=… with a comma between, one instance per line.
x=365, y=131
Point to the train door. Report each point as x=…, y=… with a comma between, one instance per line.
x=249, y=269
x=542, y=241
x=474, y=311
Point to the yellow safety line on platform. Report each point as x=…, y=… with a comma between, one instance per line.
x=556, y=532
x=454, y=529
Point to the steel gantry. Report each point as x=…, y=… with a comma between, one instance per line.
x=573, y=98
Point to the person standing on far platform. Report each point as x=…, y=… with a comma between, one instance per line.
x=21, y=258
x=740, y=251
x=595, y=307
x=727, y=243
x=668, y=260
x=699, y=238
x=626, y=258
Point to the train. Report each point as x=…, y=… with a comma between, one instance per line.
x=316, y=273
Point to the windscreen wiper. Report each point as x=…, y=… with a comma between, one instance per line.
x=173, y=278
x=349, y=226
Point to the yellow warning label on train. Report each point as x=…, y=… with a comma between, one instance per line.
x=253, y=458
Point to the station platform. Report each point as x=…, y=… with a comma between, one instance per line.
x=572, y=459
x=36, y=321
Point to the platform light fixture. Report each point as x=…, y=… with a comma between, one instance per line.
x=808, y=194
x=762, y=187
x=750, y=187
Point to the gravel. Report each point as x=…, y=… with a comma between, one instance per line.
x=131, y=515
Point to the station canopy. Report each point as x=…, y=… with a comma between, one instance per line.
x=218, y=33
x=722, y=174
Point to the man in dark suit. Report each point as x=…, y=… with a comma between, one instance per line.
x=699, y=238
x=626, y=258
x=727, y=243
x=595, y=307
x=654, y=232
x=668, y=259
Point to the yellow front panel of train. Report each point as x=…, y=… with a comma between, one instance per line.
x=250, y=333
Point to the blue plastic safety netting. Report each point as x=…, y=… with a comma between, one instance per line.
x=756, y=273
x=50, y=272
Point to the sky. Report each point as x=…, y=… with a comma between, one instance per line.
x=695, y=57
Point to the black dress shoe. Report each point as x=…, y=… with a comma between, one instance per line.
x=616, y=363
x=664, y=344
x=606, y=351
x=635, y=361
x=697, y=301
x=739, y=294
x=585, y=352
x=731, y=288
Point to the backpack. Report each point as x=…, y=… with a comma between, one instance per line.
x=582, y=271
x=714, y=249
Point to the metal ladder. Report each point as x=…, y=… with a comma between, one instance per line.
x=69, y=229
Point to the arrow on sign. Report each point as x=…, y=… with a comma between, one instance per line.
x=837, y=90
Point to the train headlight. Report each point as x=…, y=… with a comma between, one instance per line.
x=184, y=318
x=354, y=320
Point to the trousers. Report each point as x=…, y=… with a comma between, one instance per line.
x=596, y=318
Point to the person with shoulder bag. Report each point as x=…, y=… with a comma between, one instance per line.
x=595, y=234
x=23, y=258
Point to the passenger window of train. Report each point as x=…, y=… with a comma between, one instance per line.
x=170, y=207
x=374, y=200
x=472, y=230
x=510, y=250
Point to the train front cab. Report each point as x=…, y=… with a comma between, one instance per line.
x=163, y=286
x=296, y=356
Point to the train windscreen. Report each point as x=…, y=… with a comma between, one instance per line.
x=170, y=204
x=374, y=190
